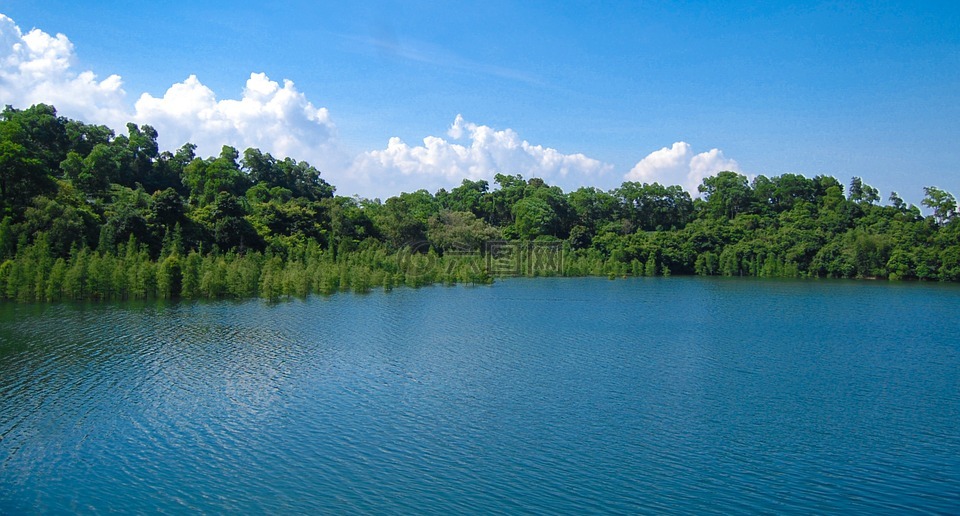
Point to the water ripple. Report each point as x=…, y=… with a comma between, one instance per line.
x=547, y=396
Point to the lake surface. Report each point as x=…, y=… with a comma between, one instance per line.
x=531, y=396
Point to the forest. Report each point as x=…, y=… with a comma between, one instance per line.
x=88, y=214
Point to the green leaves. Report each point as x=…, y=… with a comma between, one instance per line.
x=726, y=194
x=90, y=215
x=943, y=204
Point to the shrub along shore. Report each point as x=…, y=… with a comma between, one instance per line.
x=89, y=214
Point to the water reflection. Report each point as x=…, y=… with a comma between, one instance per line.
x=547, y=396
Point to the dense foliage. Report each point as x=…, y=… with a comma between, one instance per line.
x=88, y=214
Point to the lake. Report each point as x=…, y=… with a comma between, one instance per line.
x=529, y=396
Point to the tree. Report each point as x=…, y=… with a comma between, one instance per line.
x=498, y=205
x=459, y=231
x=468, y=196
x=99, y=169
x=943, y=204
x=781, y=193
x=591, y=208
x=169, y=277
x=862, y=193
x=562, y=215
x=207, y=178
x=68, y=224
x=296, y=216
x=44, y=133
x=654, y=206
x=143, y=151
x=126, y=217
x=726, y=194
x=298, y=177
x=350, y=222
x=166, y=208
x=897, y=202
x=262, y=168
x=82, y=138
x=22, y=174
x=402, y=220
x=304, y=180
x=8, y=239
x=231, y=231
x=533, y=217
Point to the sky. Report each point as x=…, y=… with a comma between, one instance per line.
x=386, y=97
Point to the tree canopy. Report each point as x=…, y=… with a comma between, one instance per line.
x=87, y=213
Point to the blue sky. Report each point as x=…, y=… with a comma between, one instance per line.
x=590, y=93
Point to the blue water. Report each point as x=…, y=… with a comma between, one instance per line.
x=545, y=396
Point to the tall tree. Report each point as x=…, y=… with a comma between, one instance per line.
x=208, y=177
x=726, y=194
x=654, y=206
x=862, y=193
x=943, y=204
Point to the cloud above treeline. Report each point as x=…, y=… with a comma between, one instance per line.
x=474, y=152
x=36, y=67
x=678, y=165
x=278, y=118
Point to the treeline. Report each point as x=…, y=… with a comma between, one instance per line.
x=89, y=214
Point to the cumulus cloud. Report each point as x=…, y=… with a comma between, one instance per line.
x=36, y=67
x=277, y=118
x=483, y=153
x=678, y=165
x=274, y=118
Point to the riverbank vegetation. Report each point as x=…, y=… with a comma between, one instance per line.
x=89, y=214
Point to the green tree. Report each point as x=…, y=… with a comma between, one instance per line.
x=143, y=152
x=42, y=132
x=166, y=209
x=726, y=194
x=65, y=221
x=534, y=217
x=402, y=220
x=655, y=207
x=231, y=231
x=83, y=137
x=863, y=193
x=498, y=205
x=469, y=196
x=99, y=169
x=207, y=178
x=781, y=193
x=943, y=204
x=126, y=216
x=22, y=174
x=169, y=277
x=460, y=231
x=897, y=202
x=298, y=177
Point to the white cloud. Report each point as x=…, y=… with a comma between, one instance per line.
x=678, y=165
x=486, y=152
x=36, y=67
x=275, y=119
x=279, y=119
